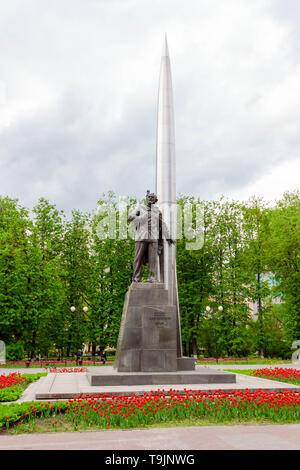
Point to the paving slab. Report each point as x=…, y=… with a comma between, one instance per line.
x=235, y=437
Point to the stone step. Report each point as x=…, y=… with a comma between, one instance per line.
x=113, y=378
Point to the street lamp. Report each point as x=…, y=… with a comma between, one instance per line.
x=220, y=309
x=85, y=309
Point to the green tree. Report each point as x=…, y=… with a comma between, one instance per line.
x=230, y=288
x=112, y=265
x=15, y=289
x=77, y=274
x=255, y=223
x=194, y=272
x=283, y=244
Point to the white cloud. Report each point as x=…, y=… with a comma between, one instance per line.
x=273, y=183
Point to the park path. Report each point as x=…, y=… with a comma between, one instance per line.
x=250, y=437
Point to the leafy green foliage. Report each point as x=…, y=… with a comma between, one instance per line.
x=14, y=352
x=284, y=259
x=11, y=393
x=250, y=255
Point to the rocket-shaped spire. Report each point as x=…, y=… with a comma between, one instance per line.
x=165, y=52
x=166, y=178
x=165, y=144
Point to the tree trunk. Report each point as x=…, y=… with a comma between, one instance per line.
x=194, y=349
x=93, y=351
x=32, y=354
x=260, y=320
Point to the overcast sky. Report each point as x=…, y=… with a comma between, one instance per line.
x=78, y=97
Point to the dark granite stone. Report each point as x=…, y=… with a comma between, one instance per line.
x=130, y=360
x=109, y=376
x=185, y=363
x=142, y=294
x=132, y=339
x=133, y=318
x=148, y=337
x=158, y=360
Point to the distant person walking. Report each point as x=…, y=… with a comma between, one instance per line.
x=103, y=357
x=78, y=358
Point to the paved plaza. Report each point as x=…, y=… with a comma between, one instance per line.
x=69, y=385
x=257, y=437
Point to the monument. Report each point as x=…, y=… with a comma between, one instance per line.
x=149, y=349
x=148, y=334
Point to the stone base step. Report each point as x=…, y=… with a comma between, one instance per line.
x=111, y=377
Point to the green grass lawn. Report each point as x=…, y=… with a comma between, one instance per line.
x=61, y=424
x=237, y=362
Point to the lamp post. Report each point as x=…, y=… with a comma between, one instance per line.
x=208, y=309
x=85, y=309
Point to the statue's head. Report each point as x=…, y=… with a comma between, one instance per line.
x=151, y=197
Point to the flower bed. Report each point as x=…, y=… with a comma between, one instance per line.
x=19, y=413
x=13, y=385
x=11, y=379
x=241, y=360
x=69, y=371
x=91, y=411
x=165, y=406
x=279, y=373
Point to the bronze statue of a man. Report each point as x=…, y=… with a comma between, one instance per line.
x=150, y=230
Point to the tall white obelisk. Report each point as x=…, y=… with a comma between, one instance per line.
x=166, y=178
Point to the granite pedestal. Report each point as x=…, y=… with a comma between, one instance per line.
x=147, y=351
x=148, y=339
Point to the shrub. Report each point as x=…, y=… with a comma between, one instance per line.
x=11, y=393
x=14, y=352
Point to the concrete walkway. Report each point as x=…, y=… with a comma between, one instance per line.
x=259, y=437
x=64, y=385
